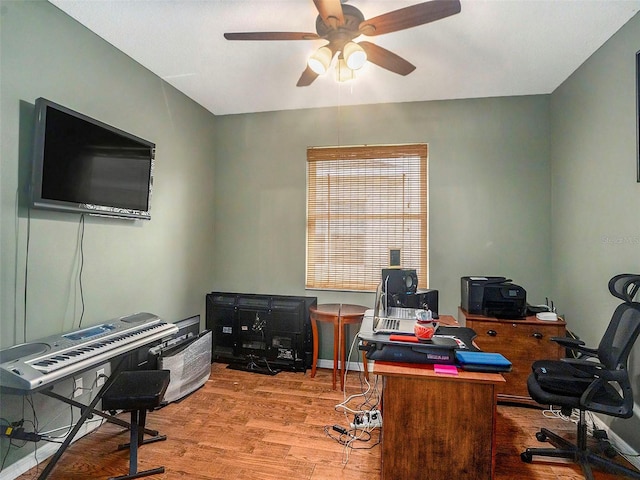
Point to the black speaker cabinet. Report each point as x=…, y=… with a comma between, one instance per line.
x=275, y=328
x=399, y=281
x=421, y=299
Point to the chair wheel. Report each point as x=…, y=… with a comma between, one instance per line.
x=526, y=457
x=541, y=437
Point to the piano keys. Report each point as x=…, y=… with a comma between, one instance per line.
x=34, y=365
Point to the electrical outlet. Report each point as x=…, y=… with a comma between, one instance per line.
x=77, y=387
x=100, y=378
x=375, y=419
x=366, y=420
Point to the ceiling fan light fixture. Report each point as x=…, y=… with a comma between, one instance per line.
x=338, y=23
x=354, y=55
x=319, y=62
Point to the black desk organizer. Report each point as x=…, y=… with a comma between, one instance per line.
x=441, y=349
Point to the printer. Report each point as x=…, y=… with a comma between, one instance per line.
x=493, y=297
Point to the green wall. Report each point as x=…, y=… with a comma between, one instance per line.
x=489, y=192
x=595, y=196
x=163, y=266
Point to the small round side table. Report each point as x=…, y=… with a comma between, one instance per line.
x=340, y=315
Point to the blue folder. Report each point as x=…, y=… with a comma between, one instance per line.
x=483, y=361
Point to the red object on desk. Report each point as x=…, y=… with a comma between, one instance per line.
x=404, y=338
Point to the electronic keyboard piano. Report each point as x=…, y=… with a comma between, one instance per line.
x=34, y=365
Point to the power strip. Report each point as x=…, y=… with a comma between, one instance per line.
x=367, y=420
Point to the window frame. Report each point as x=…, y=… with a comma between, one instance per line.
x=337, y=275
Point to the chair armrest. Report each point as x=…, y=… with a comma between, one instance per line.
x=567, y=341
x=575, y=345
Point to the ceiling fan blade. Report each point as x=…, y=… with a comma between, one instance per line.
x=386, y=59
x=307, y=78
x=331, y=12
x=410, y=17
x=271, y=36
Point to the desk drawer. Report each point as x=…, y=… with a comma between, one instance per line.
x=521, y=343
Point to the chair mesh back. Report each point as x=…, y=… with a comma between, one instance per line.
x=625, y=286
x=620, y=336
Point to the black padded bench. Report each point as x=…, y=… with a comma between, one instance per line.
x=137, y=391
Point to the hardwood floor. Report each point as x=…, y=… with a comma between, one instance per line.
x=247, y=426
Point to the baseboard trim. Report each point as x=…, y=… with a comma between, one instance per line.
x=328, y=364
x=618, y=443
x=353, y=369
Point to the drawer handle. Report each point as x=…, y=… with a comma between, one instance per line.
x=537, y=335
x=492, y=333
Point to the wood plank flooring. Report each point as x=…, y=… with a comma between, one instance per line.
x=247, y=426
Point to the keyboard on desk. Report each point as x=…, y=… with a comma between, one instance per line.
x=37, y=364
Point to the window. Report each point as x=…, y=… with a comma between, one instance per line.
x=362, y=202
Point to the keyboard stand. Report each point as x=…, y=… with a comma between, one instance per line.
x=83, y=407
x=87, y=411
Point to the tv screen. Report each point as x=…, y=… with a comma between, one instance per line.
x=86, y=166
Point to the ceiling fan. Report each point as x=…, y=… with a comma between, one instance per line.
x=340, y=23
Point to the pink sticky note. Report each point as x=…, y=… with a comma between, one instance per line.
x=446, y=369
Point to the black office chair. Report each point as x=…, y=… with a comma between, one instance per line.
x=596, y=381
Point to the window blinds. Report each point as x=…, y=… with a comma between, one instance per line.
x=361, y=202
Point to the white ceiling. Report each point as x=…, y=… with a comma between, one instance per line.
x=491, y=48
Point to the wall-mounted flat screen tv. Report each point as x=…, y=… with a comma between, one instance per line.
x=83, y=165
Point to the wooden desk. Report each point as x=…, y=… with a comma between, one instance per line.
x=435, y=426
x=340, y=315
